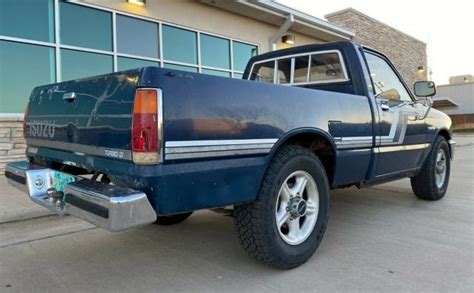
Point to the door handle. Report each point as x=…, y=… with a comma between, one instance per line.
x=384, y=107
x=69, y=97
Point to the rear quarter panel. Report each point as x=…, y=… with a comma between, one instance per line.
x=204, y=107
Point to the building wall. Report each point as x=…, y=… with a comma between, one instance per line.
x=196, y=15
x=406, y=52
x=12, y=144
x=462, y=94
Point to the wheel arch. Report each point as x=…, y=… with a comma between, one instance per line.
x=318, y=140
x=447, y=135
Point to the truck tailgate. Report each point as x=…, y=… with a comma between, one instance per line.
x=92, y=116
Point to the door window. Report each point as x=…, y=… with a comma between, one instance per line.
x=386, y=83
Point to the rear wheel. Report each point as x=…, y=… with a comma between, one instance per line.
x=286, y=223
x=432, y=181
x=172, y=219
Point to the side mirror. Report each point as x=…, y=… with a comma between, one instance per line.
x=424, y=88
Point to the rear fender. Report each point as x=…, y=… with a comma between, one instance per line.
x=291, y=134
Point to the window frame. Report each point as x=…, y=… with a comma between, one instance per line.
x=307, y=82
x=390, y=64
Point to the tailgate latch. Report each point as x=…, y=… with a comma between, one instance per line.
x=69, y=96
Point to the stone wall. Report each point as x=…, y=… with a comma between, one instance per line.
x=406, y=52
x=12, y=143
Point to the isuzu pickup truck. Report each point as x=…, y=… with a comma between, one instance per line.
x=153, y=144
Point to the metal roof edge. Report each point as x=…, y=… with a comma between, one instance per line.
x=301, y=16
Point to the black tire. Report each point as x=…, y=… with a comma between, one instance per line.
x=255, y=222
x=424, y=183
x=172, y=219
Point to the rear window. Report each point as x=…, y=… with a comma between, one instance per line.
x=302, y=69
x=284, y=71
x=325, y=67
x=263, y=72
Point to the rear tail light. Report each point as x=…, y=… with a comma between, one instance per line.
x=25, y=116
x=146, y=127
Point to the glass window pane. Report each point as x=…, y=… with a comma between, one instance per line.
x=85, y=27
x=137, y=37
x=28, y=19
x=263, y=72
x=301, y=69
x=326, y=67
x=23, y=67
x=179, y=45
x=131, y=63
x=386, y=82
x=238, y=75
x=216, y=72
x=242, y=53
x=180, y=67
x=284, y=71
x=215, y=52
x=75, y=64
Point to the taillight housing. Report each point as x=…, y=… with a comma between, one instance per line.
x=25, y=116
x=146, y=127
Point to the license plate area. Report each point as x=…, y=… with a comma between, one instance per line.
x=60, y=179
x=46, y=187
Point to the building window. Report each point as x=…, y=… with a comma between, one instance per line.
x=216, y=72
x=33, y=20
x=82, y=35
x=77, y=64
x=23, y=67
x=242, y=53
x=180, y=67
x=179, y=45
x=215, y=52
x=131, y=63
x=85, y=27
x=137, y=37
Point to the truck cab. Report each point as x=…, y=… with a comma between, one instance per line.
x=397, y=132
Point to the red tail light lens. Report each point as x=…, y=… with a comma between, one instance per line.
x=145, y=127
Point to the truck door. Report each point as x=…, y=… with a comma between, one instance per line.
x=401, y=140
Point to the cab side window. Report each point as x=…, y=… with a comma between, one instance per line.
x=386, y=83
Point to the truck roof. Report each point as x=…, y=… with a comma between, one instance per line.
x=303, y=49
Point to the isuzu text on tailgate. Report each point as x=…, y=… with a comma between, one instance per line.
x=154, y=144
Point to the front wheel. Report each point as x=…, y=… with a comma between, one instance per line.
x=432, y=181
x=286, y=223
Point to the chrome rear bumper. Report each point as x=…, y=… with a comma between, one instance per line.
x=108, y=206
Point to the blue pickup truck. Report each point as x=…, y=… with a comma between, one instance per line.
x=154, y=144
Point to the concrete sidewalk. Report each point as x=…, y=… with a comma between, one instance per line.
x=379, y=238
